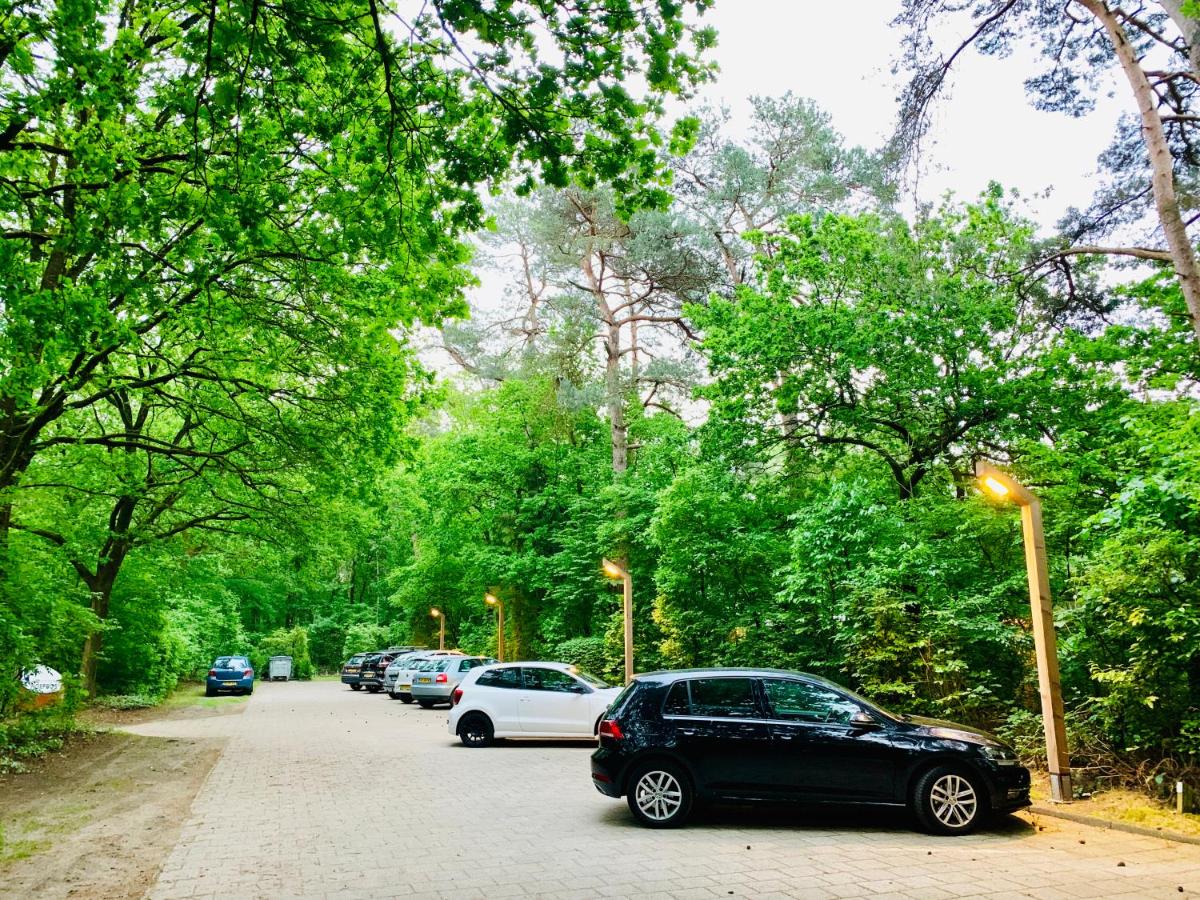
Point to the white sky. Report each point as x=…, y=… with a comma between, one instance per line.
x=841, y=54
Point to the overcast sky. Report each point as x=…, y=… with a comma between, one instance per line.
x=841, y=54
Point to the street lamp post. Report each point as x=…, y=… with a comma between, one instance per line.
x=1004, y=487
x=441, y=617
x=492, y=600
x=614, y=571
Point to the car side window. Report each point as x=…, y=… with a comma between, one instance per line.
x=468, y=664
x=799, y=701
x=549, y=680
x=677, y=703
x=724, y=698
x=501, y=678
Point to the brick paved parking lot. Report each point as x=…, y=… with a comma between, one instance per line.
x=322, y=792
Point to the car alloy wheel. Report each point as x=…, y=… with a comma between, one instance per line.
x=948, y=801
x=476, y=730
x=660, y=796
x=954, y=801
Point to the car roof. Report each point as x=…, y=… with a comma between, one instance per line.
x=667, y=676
x=561, y=666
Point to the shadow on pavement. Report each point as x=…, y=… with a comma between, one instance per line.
x=750, y=816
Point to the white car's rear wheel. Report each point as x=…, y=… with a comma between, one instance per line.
x=475, y=730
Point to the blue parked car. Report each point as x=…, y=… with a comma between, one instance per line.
x=230, y=673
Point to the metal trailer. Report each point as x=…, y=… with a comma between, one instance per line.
x=279, y=668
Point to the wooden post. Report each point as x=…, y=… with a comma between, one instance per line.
x=1045, y=646
x=500, y=631
x=442, y=631
x=1046, y=649
x=628, y=626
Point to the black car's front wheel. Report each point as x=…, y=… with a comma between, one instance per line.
x=475, y=730
x=948, y=800
x=660, y=795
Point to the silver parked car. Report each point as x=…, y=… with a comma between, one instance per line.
x=402, y=687
x=393, y=670
x=436, y=679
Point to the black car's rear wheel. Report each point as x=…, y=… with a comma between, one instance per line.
x=475, y=730
x=949, y=800
x=660, y=795
x=356, y=687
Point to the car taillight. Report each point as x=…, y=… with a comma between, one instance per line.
x=610, y=728
x=456, y=696
x=212, y=672
x=248, y=673
x=441, y=679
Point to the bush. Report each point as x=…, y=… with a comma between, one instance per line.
x=293, y=643
x=31, y=734
x=587, y=653
x=364, y=639
x=127, y=701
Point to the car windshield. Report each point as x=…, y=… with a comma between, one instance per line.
x=588, y=678
x=354, y=660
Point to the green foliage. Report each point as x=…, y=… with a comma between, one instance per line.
x=588, y=653
x=283, y=642
x=363, y=638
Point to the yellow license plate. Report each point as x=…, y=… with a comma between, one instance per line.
x=351, y=671
x=230, y=683
x=422, y=681
x=405, y=687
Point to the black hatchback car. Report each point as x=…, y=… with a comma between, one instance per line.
x=672, y=738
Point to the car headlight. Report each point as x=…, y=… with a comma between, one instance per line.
x=1001, y=756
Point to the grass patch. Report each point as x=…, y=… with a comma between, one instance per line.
x=1130, y=807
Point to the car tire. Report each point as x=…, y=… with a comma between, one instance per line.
x=949, y=800
x=475, y=730
x=356, y=687
x=425, y=704
x=373, y=689
x=393, y=695
x=406, y=698
x=210, y=692
x=660, y=794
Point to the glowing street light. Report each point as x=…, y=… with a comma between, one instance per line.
x=1005, y=487
x=441, y=617
x=615, y=572
x=492, y=600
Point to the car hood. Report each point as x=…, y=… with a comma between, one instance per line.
x=954, y=731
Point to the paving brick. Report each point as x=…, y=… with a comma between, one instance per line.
x=332, y=786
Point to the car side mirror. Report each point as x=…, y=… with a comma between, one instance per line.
x=580, y=689
x=863, y=720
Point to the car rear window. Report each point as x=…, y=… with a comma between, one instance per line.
x=723, y=698
x=509, y=677
x=677, y=702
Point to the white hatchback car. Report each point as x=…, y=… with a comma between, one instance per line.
x=528, y=700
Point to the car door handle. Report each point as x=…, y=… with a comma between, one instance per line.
x=785, y=737
x=688, y=732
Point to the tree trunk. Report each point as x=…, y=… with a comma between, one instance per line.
x=1162, y=178
x=101, y=587
x=1188, y=27
x=615, y=399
